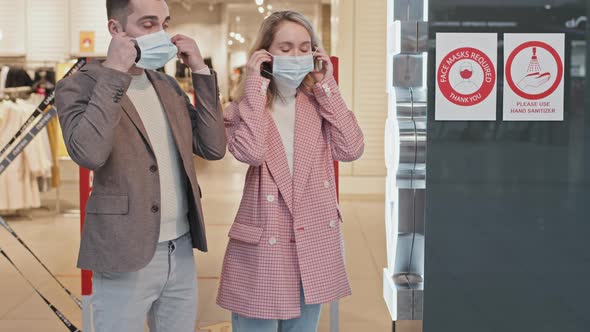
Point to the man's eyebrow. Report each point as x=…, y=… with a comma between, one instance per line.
x=148, y=17
x=152, y=18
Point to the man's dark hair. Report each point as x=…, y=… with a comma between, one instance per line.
x=118, y=9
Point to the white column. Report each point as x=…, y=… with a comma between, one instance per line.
x=359, y=39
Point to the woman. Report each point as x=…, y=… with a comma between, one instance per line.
x=285, y=254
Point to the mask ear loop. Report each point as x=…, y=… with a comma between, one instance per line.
x=316, y=67
x=138, y=50
x=266, y=71
x=317, y=49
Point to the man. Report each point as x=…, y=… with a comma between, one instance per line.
x=137, y=131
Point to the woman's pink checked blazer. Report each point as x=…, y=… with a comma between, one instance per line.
x=287, y=230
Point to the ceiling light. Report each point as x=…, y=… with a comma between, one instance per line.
x=259, y=2
x=269, y=7
x=232, y=34
x=261, y=10
x=230, y=42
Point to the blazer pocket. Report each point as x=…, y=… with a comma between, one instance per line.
x=245, y=233
x=108, y=204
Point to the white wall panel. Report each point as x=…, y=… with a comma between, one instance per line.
x=370, y=81
x=48, y=30
x=360, y=41
x=89, y=15
x=13, y=26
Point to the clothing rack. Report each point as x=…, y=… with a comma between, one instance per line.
x=43, y=83
x=26, y=64
x=22, y=92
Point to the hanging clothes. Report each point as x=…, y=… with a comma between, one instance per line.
x=18, y=77
x=40, y=147
x=3, y=76
x=20, y=182
x=44, y=82
x=55, y=142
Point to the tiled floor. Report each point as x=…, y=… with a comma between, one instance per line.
x=55, y=239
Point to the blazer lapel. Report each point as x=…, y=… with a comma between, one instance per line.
x=308, y=127
x=131, y=112
x=277, y=162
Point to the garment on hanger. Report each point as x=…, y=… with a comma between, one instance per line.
x=20, y=182
x=44, y=82
x=55, y=142
x=3, y=75
x=18, y=77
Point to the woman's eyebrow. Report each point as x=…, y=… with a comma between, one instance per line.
x=287, y=43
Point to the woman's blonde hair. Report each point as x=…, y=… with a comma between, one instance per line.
x=266, y=36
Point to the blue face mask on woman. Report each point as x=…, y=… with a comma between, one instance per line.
x=291, y=70
x=155, y=50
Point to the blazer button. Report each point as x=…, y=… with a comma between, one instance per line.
x=270, y=198
x=263, y=89
x=155, y=209
x=326, y=184
x=333, y=223
x=272, y=241
x=327, y=90
x=153, y=168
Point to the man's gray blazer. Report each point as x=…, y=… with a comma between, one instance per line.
x=104, y=133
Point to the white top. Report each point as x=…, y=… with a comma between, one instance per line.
x=283, y=113
x=173, y=184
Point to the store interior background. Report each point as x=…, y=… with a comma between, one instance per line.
x=39, y=33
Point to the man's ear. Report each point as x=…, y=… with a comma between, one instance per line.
x=115, y=27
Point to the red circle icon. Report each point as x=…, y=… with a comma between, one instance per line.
x=474, y=56
x=517, y=51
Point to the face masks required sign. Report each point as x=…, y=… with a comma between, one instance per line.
x=466, y=76
x=534, y=75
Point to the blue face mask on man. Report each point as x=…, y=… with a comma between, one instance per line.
x=155, y=50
